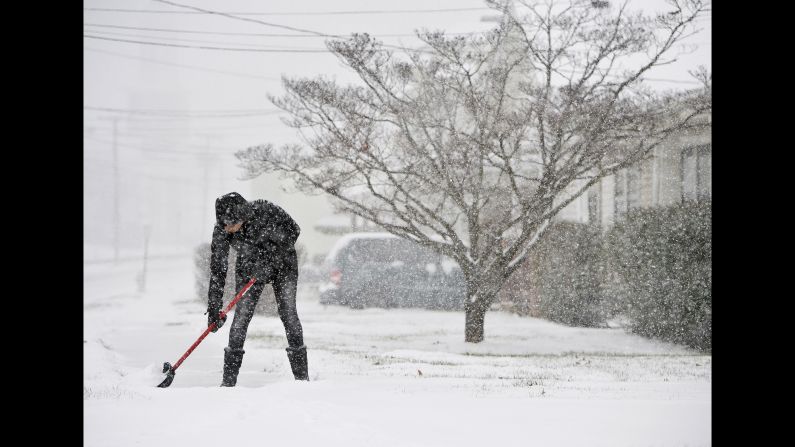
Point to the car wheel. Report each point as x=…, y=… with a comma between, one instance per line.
x=355, y=302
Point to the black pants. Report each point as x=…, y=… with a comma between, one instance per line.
x=282, y=273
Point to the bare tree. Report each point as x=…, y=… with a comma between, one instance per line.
x=472, y=144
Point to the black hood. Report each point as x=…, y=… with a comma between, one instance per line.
x=232, y=208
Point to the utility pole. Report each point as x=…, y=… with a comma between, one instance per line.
x=204, y=192
x=115, y=191
x=116, y=206
x=142, y=280
x=206, y=180
x=210, y=160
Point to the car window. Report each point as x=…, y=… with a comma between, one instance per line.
x=387, y=251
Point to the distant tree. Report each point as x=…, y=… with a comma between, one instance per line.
x=472, y=144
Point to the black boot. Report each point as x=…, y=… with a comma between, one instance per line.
x=298, y=363
x=233, y=358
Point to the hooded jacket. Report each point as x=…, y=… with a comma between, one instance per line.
x=267, y=234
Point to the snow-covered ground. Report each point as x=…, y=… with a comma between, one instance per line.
x=378, y=377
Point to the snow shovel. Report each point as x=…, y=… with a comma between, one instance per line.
x=171, y=370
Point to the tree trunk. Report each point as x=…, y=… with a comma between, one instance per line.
x=475, y=317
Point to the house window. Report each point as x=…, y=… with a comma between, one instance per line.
x=594, y=206
x=627, y=193
x=633, y=188
x=697, y=173
x=621, y=194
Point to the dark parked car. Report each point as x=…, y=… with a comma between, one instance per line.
x=382, y=270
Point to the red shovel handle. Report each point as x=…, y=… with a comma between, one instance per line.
x=212, y=326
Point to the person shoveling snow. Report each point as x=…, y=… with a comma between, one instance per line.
x=264, y=236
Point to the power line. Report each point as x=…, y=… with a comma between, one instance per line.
x=151, y=164
x=300, y=30
x=675, y=81
x=201, y=47
x=172, y=30
x=259, y=49
x=360, y=12
x=169, y=141
x=175, y=139
x=643, y=78
x=162, y=151
x=181, y=112
x=211, y=70
x=233, y=113
x=184, y=130
x=139, y=173
x=222, y=132
x=146, y=168
x=185, y=121
x=190, y=67
x=224, y=14
x=172, y=140
x=138, y=124
x=137, y=168
x=187, y=130
x=178, y=139
x=245, y=44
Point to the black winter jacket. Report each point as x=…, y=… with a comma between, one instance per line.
x=267, y=236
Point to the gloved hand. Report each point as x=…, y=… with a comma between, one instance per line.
x=212, y=317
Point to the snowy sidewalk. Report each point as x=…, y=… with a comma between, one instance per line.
x=379, y=377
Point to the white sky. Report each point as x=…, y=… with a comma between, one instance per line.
x=171, y=169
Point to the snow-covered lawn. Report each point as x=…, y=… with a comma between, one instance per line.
x=378, y=377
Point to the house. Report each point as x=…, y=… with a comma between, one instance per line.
x=678, y=169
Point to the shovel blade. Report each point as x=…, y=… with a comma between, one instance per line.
x=169, y=371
